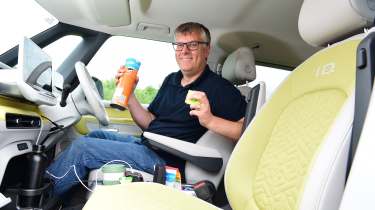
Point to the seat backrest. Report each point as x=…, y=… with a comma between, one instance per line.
x=294, y=153
x=255, y=100
x=238, y=68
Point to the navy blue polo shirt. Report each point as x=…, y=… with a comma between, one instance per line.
x=171, y=113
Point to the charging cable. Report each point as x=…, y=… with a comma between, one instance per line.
x=40, y=131
x=96, y=174
x=66, y=173
x=52, y=130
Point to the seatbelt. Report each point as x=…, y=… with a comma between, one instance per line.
x=251, y=107
x=364, y=84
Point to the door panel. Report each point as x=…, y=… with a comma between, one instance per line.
x=120, y=121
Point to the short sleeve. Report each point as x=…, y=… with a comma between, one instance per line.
x=230, y=104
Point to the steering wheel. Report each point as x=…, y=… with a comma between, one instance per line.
x=4, y=66
x=91, y=93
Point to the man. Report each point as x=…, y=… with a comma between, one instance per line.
x=221, y=109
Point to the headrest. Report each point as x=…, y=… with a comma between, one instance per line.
x=323, y=22
x=239, y=66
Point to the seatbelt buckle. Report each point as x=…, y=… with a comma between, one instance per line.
x=205, y=190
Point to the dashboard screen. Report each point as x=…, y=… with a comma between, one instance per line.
x=36, y=65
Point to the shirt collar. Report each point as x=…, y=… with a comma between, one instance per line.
x=196, y=82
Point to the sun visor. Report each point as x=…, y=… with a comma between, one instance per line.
x=322, y=22
x=109, y=12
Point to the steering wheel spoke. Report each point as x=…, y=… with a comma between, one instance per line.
x=91, y=93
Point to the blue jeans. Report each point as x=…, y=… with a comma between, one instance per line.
x=97, y=148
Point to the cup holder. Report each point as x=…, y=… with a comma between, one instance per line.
x=33, y=198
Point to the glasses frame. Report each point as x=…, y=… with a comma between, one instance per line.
x=192, y=45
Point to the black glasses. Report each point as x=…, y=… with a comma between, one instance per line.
x=193, y=45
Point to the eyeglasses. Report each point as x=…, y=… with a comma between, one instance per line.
x=193, y=45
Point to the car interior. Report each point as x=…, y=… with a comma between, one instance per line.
x=306, y=146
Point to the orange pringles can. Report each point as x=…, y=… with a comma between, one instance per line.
x=126, y=84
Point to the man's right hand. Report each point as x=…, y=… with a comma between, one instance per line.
x=119, y=74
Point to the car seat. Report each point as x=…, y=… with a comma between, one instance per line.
x=294, y=153
x=208, y=157
x=238, y=68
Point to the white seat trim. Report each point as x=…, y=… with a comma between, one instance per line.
x=186, y=147
x=325, y=184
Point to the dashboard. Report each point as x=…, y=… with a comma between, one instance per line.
x=21, y=125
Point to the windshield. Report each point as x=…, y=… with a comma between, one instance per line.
x=19, y=18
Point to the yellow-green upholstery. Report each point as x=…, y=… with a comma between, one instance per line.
x=142, y=196
x=271, y=163
x=115, y=116
x=18, y=106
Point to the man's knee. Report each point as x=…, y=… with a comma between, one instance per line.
x=95, y=134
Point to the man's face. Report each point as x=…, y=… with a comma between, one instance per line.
x=191, y=62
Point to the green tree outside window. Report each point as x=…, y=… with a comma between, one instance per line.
x=144, y=96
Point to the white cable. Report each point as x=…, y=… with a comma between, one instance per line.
x=96, y=174
x=75, y=172
x=40, y=132
x=74, y=167
x=59, y=177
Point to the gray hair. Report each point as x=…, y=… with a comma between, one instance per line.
x=190, y=27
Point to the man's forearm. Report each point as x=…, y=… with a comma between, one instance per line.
x=141, y=116
x=227, y=128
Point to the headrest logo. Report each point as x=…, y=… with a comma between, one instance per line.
x=325, y=70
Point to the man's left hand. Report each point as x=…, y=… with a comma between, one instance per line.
x=202, y=109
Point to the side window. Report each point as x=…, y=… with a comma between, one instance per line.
x=272, y=77
x=157, y=61
x=60, y=49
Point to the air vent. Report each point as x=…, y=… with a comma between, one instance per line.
x=18, y=121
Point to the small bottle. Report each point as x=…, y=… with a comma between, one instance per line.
x=178, y=184
x=126, y=84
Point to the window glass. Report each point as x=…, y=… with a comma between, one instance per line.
x=19, y=18
x=157, y=61
x=272, y=77
x=61, y=48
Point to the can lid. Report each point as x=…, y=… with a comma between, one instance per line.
x=132, y=63
x=113, y=168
